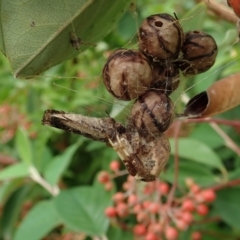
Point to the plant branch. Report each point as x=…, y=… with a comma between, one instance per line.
x=228, y=141
x=235, y=182
x=231, y=123
x=220, y=10
x=34, y=174
x=176, y=165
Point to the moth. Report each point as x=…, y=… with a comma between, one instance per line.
x=144, y=155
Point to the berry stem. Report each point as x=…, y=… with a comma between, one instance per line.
x=235, y=182
x=176, y=167
x=232, y=123
x=228, y=141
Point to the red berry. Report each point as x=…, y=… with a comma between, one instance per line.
x=151, y=236
x=122, y=209
x=195, y=188
x=171, y=233
x=114, y=166
x=132, y=199
x=208, y=195
x=146, y=204
x=118, y=197
x=187, y=217
x=153, y=207
x=155, y=227
x=137, y=208
x=202, y=209
x=181, y=225
x=142, y=216
x=139, y=230
x=126, y=186
x=104, y=177
x=110, y=212
x=199, y=197
x=108, y=186
x=188, y=205
x=130, y=179
x=149, y=188
x=196, y=236
x=163, y=188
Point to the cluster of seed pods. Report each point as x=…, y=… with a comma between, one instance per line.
x=151, y=73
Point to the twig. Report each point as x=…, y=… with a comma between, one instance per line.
x=235, y=182
x=228, y=141
x=176, y=165
x=220, y=10
x=231, y=123
x=208, y=220
x=218, y=235
x=119, y=173
x=34, y=174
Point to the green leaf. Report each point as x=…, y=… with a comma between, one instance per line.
x=228, y=206
x=201, y=175
x=204, y=129
x=115, y=233
x=194, y=19
x=82, y=209
x=23, y=146
x=56, y=167
x=11, y=211
x=41, y=219
x=197, y=151
x=7, y=188
x=39, y=34
x=14, y=171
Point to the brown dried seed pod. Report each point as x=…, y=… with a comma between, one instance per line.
x=165, y=78
x=127, y=74
x=199, y=52
x=161, y=37
x=221, y=96
x=152, y=112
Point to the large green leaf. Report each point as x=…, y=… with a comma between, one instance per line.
x=11, y=211
x=16, y=170
x=197, y=151
x=227, y=205
x=23, y=146
x=56, y=167
x=41, y=219
x=201, y=175
x=36, y=35
x=82, y=209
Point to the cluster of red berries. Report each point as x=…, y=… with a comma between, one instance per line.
x=155, y=216
x=106, y=178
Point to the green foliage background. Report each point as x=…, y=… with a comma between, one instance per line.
x=72, y=162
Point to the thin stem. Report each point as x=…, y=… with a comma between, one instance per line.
x=119, y=173
x=220, y=10
x=34, y=174
x=208, y=220
x=231, y=123
x=176, y=165
x=228, y=141
x=217, y=235
x=235, y=182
